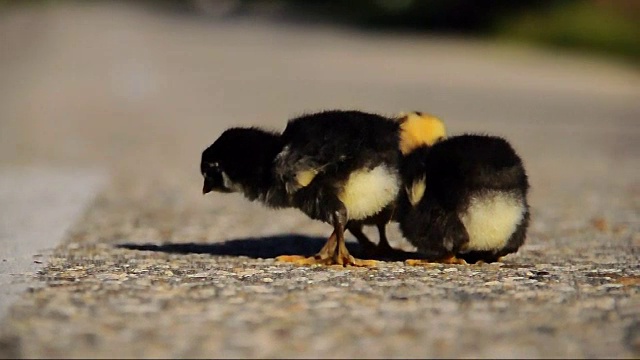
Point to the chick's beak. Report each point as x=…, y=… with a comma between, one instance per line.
x=208, y=185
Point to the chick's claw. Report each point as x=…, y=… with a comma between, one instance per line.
x=418, y=262
x=452, y=260
x=304, y=260
x=325, y=261
x=360, y=262
x=290, y=258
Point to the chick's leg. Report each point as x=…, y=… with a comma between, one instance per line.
x=382, y=249
x=327, y=207
x=319, y=209
x=334, y=252
x=367, y=245
x=342, y=256
x=383, y=244
x=441, y=243
x=370, y=249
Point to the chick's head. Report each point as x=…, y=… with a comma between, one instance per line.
x=419, y=129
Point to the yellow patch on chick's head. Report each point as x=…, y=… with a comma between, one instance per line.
x=418, y=129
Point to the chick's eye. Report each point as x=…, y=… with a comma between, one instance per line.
x=205, y=167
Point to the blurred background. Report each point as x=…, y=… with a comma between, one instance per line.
x=605, y=27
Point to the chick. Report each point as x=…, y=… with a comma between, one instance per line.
x=416, y=129
x=337, y=167
x=340, y=167
x=465, y=199
x=333, y=166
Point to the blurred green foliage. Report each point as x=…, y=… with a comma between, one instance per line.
x=610, y=27
x=583, y=25
x=468, y=16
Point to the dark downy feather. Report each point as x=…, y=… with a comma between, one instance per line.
x=454, y=171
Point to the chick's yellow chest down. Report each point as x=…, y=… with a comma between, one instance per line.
x=368, y=191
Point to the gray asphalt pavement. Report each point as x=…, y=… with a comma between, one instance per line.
x=152, y=268
x=30, y=231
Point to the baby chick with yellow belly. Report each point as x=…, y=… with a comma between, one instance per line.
x=417, y=129
x=465, y=198
x=340, y=167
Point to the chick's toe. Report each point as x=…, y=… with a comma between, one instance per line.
x=303, y=260
x=351, y=261
x=325, y=261
x=452, y=260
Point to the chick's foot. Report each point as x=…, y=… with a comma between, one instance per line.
x=331, y=253
x=347, y=260
x=304, y=260
x=342, y=257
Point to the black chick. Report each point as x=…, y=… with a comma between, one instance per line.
x=342, y=168
x=335, y=166
x=416, y=129
x=465, y=198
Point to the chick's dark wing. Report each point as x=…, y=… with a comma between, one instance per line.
x=297, y=169
x=333, y=142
